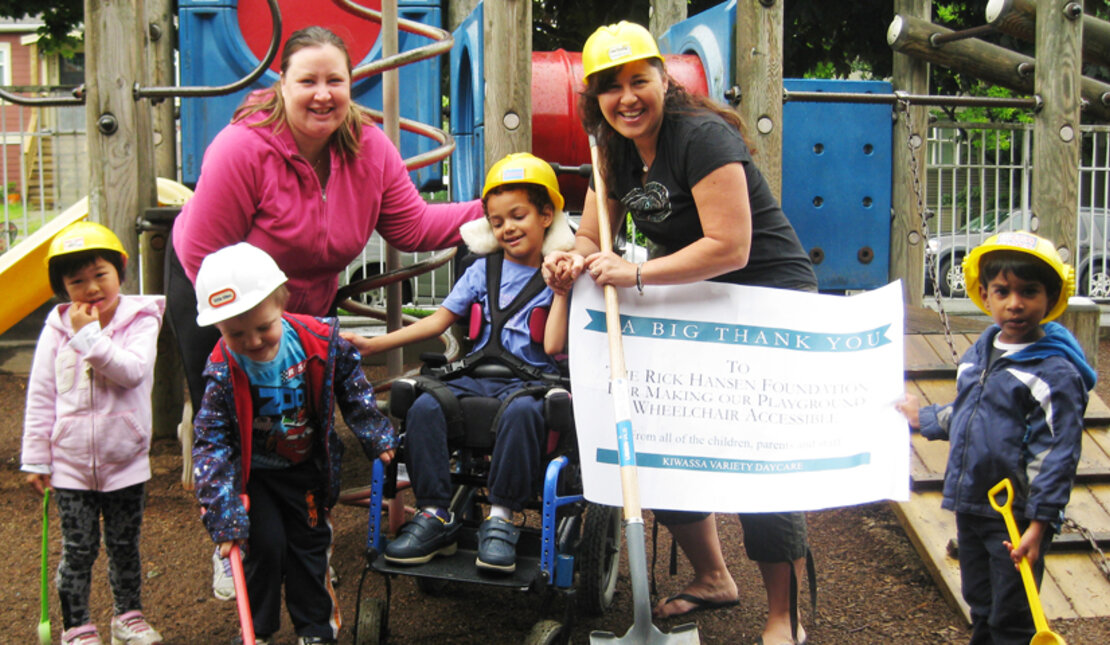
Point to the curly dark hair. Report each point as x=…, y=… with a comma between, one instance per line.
x=676, y=101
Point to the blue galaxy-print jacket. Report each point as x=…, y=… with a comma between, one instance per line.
x=222, y=439
x=1022, y=418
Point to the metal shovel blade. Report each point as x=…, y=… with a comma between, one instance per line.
x=643, y=632
x=649, y=634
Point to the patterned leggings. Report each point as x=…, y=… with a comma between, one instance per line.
x=81, y=511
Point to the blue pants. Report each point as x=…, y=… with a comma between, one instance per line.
x=290, y=542
x=991, y=585
x=515, y=468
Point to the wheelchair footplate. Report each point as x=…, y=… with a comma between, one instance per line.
x=461, y=567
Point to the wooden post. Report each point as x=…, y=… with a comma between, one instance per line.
x=391, y=107
x=457, y=11
x=1056, y=128
x=168, y=397
x=990, y=63
x=508, y=67
x=1018, y=18
x=121, y=151
x=758, y=73
x=664, y=14
x=907, y=244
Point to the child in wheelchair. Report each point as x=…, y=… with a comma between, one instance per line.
x=524, y=221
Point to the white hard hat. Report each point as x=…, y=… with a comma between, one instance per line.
x=233, y=280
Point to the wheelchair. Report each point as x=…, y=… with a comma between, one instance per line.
x=573, y=553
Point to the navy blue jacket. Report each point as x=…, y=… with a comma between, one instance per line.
x=221, y=448
x=1022, y=419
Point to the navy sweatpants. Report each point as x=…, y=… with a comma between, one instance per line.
x=515, y=467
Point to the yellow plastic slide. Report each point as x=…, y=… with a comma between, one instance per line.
x=23, y=279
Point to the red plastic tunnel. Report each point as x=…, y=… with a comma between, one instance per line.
x=557, y=134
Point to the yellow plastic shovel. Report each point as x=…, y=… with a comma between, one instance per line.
x=1044, y=635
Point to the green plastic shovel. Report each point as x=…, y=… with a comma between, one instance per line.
x=1044, y=635
x=44, y=588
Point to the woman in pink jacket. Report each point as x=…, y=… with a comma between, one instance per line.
x=303, y=174
x=87, y=426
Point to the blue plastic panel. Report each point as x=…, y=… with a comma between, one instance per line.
x=709, y=36
x=468, y=107
x=836, y=162
x=213, y=52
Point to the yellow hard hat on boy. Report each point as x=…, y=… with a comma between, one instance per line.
x=614, y=45
x=84, y=236
x=1024, y=242
x=524, y=168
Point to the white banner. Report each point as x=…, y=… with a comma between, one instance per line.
x=744, y=399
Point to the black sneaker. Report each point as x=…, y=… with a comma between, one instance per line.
x=497, y=540
x=422, y=538
x=316, y=640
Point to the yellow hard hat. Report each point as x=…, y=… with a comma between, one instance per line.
x=524, y=168
x=84, y=236
x=1024, y=242
x=614, y=45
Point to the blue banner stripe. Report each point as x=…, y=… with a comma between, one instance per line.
x=741, y=466
x=714, y=332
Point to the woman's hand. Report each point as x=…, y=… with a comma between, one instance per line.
x=39, y=482
x=610, y=268
x=560, y=270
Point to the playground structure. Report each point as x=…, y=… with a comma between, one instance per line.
x=856, y=198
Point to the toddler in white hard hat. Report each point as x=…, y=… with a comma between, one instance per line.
x=266, y=430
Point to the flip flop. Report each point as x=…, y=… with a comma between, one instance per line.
x=700, y=604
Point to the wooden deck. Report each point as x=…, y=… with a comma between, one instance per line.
x=1073, y=586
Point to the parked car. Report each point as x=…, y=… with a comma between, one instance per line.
x=1092, y=264
x=947, y=250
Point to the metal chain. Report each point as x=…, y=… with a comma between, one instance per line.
x=923, y=224
x=1097, y=554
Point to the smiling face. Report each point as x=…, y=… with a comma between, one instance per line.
x=256, y=333
x=632, y=102
x=95, y=284
x=316, y=90
x=1017, y=306
x=518, y=225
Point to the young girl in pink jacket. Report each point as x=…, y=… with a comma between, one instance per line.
x=87, y=427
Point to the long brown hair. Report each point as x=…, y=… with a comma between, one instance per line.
x=349, y=134
x=676, y=101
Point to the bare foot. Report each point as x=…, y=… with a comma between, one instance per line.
x=713, y=596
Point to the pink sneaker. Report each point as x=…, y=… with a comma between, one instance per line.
x=81, y=635
x=132, y=629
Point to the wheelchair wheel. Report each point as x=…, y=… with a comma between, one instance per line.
x=599, y=558
x=370, y=623
x=548, y=632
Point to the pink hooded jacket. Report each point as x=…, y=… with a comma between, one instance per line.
x=256, y=187
x=88, y=403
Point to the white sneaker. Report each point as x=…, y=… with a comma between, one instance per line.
x=81, y=635
x=132, y=629
x=223, y=585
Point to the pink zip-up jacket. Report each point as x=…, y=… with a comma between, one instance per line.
x=88, y=398
x=255, y=187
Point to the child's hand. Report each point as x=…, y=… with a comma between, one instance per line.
x=361, y=343
x=39, y=482
x=81, y=314
x=1030, y=545
x=560, y=270
x=225, y=547
x=909, y=407
x=386, y=456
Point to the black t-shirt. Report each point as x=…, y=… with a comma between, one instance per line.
x=690, y=147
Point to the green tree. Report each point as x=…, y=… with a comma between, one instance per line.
x=59, y=17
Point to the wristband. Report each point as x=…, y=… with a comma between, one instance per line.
x=640, y=278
